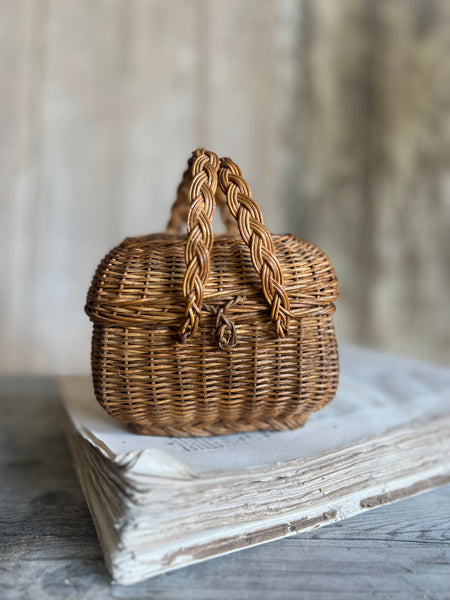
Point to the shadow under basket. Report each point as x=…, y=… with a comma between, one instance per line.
x=195, y=336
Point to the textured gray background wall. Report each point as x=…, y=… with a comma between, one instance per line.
x=337, y=112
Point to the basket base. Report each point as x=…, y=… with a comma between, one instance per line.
x=219, y=428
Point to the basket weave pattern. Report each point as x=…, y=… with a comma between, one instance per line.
x=198, y=336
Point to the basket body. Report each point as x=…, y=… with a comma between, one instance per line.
x=146, y=377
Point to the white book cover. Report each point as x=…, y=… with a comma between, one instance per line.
x=159, y=503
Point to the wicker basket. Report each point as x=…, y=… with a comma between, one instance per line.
x=196, y=336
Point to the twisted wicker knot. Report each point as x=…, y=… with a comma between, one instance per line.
x=259, y=241
x=225, y=328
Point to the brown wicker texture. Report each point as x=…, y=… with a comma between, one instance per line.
x=198, y=336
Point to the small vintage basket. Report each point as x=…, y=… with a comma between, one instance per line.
x=196, y=336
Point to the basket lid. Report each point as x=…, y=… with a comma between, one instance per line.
x=140, y=282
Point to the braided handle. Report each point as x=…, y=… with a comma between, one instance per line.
x=203, y=167
x=258, y=239
x=205, y=171
x=182, y=204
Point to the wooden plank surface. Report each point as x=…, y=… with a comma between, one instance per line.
x=336, y=111
x=373, y=151
x=21, y=72
x=48, y=546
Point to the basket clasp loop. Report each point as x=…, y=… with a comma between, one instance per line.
x=225, y=327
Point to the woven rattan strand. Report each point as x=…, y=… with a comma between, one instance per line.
x=199, y=336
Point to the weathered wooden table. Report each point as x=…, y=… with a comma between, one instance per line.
x=49, y=549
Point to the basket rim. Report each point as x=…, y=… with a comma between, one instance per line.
x=110, y=303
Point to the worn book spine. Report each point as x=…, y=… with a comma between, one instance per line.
x=211, y=515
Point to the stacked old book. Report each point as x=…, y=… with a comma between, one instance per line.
x=160, y=503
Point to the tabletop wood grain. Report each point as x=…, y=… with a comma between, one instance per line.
x=49, y=549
